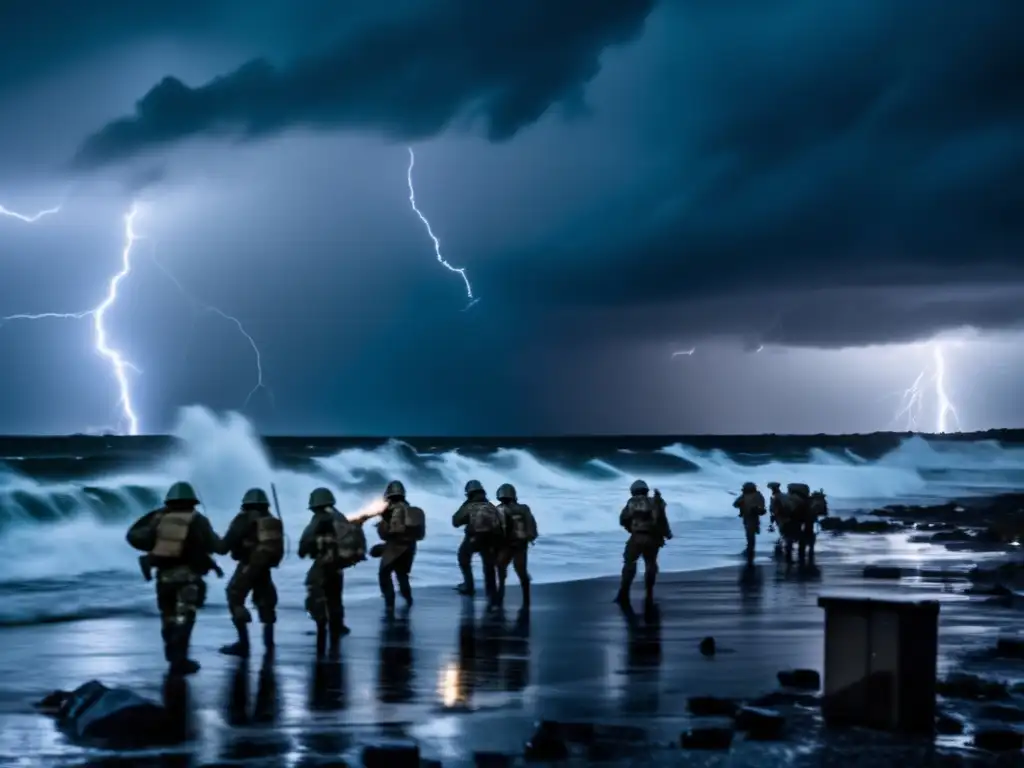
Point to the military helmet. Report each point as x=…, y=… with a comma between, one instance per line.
x=181, y=491
x=638, y=487
x=774, y=486
x=255, y=496
x=321, y=497
x=395, y=489
x=473, y=486
x=506, y=492
x=749, y=486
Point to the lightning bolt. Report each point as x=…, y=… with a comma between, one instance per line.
x=117, y=361
x=945, y=405
x=437, y=243
x=913, y=399
x=684, y=352
x=230, y=318
x=28, y=218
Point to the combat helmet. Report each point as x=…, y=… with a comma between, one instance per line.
x=395, y=490
x=774, y=485
x=181, y=491
x=638, y=487
x=507, y=492
x=255, y=497
x=321, y=497
x=474, y=486
x=749, y=487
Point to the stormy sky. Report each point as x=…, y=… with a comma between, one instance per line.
x=816, y=198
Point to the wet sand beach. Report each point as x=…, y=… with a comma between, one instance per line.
x=457, y=680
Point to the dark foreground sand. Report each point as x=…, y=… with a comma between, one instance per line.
x=457, y=682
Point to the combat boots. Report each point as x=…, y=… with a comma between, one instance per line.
x=177, y=650
x=241, y=646
x=404, y=587
x=268, y=638
x=336, y=630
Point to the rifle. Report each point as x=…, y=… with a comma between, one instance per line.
x=277, y=504
x=277, y=511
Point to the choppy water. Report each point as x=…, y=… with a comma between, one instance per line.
x=62, y=520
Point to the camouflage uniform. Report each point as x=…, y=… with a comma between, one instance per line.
x=324, y=580
x=751, y=506
x=817, y=507
x=777, y=515
x=520, y=532
x=255, y=539
x=179, y=541
x=795, y=509
x=399, y=532
x=484, y=535
x=645, y=519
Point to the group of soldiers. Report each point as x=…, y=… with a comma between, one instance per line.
x=794, y=513
x=179, y=543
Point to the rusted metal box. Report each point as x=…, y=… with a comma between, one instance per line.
x=880, y=663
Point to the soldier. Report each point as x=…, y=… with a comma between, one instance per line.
x=751, y=506
x=817, y=508
x=255, y=540
x=796, y=502
x=645, y=520
x=777, y=516
x=520, y=532
x=179, y=541
x=484, y=534
x=333, y=544
x=400, y=527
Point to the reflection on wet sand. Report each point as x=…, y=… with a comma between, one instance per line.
x=643, y=661
x=482, y=647
x=180, y=712
x=328, y=691
x=396, y=676
x=264, y=714
x=516, y=667
x=751, y=585
x=328, y=695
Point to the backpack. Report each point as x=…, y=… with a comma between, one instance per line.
x=484, y=518
x=269, y=540
x=641, y=512
x=350, y=541
x=799, y=489
x=171, y=534
x=517, y=526
x=416, y=523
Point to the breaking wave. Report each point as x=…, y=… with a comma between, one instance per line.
x=67, y=531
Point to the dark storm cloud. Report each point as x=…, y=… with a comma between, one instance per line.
x=505, y=62
x=840, y=317
x=822, y=146
x=38, y=37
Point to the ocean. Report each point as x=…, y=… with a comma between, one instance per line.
x=65, y=503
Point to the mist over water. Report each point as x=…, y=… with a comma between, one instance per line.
x=63, y=553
